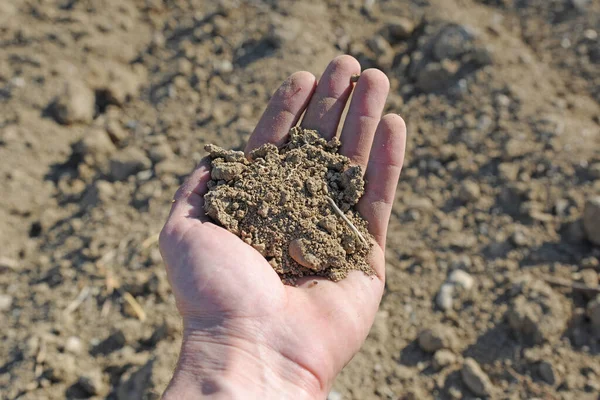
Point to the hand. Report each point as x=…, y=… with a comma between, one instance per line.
x=246, y=335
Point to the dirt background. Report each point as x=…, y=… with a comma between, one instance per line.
x=106, y=106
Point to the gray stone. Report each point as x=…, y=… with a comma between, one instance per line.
x=469, y=192
x=591, y=220
x=547, y=372
x=594, y=170
x=593, y=313
x=452, y=42
x=400, y=28
x=475, y=379
x=435, y=76
x=136, y=383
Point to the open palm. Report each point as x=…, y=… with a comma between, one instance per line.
x=229, y=295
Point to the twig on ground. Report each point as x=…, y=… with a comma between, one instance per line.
x=74, y=305
x=150, y=241
x=346, y=220
x=135, y=306
x=572, y=285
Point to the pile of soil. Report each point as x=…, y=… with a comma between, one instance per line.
x=284, y=203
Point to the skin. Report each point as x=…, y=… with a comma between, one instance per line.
x=246, y=335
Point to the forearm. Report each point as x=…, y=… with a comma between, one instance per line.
x=227, y=368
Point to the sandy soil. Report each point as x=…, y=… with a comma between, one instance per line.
x=295, y=205
x=493, y=250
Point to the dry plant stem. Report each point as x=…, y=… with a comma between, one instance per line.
x=137, y=308
x=346, y=220
x=74, y=305
x=572, y=285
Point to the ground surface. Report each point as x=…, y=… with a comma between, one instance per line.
x=106, y=106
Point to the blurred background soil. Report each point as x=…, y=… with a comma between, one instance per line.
x=494, y=242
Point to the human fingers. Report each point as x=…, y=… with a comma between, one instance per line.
x=327, y=104
x=188, y=201
x=364, y=115
x=381, y=176
x=283, y=111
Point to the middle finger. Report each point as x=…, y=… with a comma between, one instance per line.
x=327, y=104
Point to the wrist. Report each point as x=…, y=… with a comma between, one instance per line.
x=215, y=363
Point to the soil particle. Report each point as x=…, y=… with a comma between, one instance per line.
x=94, y=147
x=295, y=205
x=399, y=28
x=461, y=279
x=60, y=368
x=128, y=162
x=475, y=379
x=536, y=312
x=76, y=103
x=136, y=381
x=444, y=298
x=438, y=337
x=443, y=358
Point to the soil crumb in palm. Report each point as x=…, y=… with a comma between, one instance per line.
x=294, y=204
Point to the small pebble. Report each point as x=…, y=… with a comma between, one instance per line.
x=475, y=379
x=444, y=298
x=591, y=220
x=469, y=192
x=5, y=302
x=462, y=279
x=73, y=345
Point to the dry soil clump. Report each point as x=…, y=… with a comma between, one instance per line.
x=294, y=204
